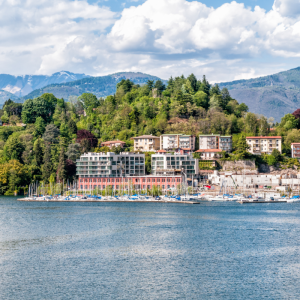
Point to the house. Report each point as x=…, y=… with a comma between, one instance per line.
x=295, y=149
x=146, y=143
x=263, y=144
x=215, y=141
x=210, y=154
x=171, y=142
x=184, y=151
x=111, y=144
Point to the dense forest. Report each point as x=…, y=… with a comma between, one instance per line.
x=41, y=139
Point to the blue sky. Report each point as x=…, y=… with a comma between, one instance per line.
x=225, y=40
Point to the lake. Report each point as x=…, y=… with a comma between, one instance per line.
x=149, y=250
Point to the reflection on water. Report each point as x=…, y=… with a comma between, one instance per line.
x=148, y=251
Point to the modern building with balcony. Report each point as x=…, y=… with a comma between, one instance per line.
x=173, y=164
x=295, y=149
x=146, y=143
x=263, y=144
x=171, y=142
x=110, y=165
x=215, y=141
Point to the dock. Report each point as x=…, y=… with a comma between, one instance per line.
x=107, y=201
x=260, y=201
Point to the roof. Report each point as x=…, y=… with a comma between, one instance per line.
x=263, y=137
x=186, y=149
x=208, y=150
x=112, y=142
x=146, y=137
x=161, y=151
x=295, y=143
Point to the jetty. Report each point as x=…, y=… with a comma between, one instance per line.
x=261, y=201
x=108, y=200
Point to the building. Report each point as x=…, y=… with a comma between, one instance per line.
x=111, y=144
x=110, y=165
x=172, y=164
x=263, y=144
x=295, y=149
x=146, y=143
x=215, y=141
x=210, y=154
x=174, y=141
x=126, y=183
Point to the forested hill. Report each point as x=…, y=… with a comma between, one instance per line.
x=273, y=95
x=101, y=86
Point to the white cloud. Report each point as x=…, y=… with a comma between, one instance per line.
x=161, y=37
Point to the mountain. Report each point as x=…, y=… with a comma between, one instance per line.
x=22, y=85
x=100, y=86
x=4, y=95
x=273, y=95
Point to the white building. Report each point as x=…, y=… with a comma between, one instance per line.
x=170, y=142
x=210, y=154
x=263, y=144
x=168, y=164
x=110, y=164
x=215, y=141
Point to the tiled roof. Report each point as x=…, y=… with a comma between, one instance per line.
x=295, y=143
x=208, y=150
x=112, y=142
x=161, y=151
x=146, y=137
x=263, y=137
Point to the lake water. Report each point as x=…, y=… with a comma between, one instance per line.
x=149, y=250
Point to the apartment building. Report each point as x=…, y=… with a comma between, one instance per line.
x=110, y=165
x=172, y=164
x=171, y=142
x=263, y=144
x=146, y=143
x=295, y=149
x=111, y=144
x=136, y=182
x=215, y=141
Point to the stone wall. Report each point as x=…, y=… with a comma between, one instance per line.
x=238, y=166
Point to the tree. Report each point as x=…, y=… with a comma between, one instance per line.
x=64, y=131
x=289, y=122
x=39, y=126
x=61, y=169
x=89, y=100
x=13, y=148
x=73, y=151
x=72, y=127
x=28, y=112
x=70, y=169
x=293, y=136
x=38, y=152
x=296, y=114
x=201, y=99
x=86, y=139
x=51, y=134
x=193, y=81
x=251, y=123
x=159, y=86
x=47, y=166
x=204, y=86
x=242, y=147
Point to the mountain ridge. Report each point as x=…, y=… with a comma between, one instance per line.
x=272, y=95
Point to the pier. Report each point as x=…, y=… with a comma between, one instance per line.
x=106, y=201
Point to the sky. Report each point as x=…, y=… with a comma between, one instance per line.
x=224, y=40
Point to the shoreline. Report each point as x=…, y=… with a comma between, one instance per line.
x=103, y=201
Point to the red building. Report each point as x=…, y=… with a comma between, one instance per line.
x=138, y=182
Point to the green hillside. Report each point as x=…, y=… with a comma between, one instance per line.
x=273, y=95
x=100, y=86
